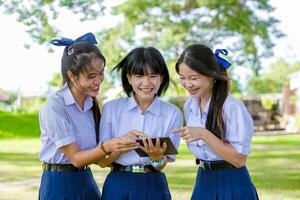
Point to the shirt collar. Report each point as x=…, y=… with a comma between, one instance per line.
x=69, y=99
x=154, y=108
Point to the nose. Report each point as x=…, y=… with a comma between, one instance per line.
x=187, y=84
x=99, y=79
x=145, y=80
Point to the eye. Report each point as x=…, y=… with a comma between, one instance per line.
x=91, y=76
x=137, y=76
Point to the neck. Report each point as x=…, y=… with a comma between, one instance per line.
x=78, y=96
x=204, y=99
x=143, y=103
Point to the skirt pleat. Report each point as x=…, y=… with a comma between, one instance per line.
x=135, y=186
x=77, y=185
x=224, y=184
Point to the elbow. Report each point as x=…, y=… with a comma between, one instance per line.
x=77, y=164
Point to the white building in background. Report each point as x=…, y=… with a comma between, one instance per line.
x=292, y=104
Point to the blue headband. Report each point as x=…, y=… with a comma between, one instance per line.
x=88, y=37
x=220, y=59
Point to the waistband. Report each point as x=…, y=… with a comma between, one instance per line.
x=63, y=167
x=133, y=168
x=212, y=165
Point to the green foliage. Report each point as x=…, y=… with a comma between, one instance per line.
x=56, y=81
x=14, y=125
x=172, y=25
x=240, y=26
x=274, y=79
x=267, y=103
x=38, y=15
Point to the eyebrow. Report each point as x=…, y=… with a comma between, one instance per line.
x=193, y=75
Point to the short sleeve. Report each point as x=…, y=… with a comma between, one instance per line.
x=176, y=122
x=106, y=124
x=239, y=127
x=56, y=124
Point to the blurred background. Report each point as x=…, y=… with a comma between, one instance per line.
x=261, y=36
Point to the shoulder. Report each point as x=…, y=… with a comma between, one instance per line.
x=169, y=107
x=168, y=104
x=188, y=104
x=115, y=103
x=235, y=107
x=189, y=101
x=55, y=102
x=233, y=103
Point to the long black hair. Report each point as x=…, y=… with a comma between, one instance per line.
x=138, y=62
x=201, y=59
x=77, y=58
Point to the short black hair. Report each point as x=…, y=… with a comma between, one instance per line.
x=138, y=62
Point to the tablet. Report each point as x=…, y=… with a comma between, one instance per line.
x=171, y=150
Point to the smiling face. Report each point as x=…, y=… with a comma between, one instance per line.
x=198, y=85
x=88, y=82
x=145, y=86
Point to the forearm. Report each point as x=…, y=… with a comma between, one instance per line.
x=108, y=160
x=225, y=150
x=82, y=158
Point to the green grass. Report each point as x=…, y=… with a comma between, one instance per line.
x=18, y=125
x=274, y=164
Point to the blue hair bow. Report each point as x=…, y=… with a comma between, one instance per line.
x=88, y=37
x=221, y=59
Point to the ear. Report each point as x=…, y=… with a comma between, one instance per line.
x=129, y=78
x=71, y=76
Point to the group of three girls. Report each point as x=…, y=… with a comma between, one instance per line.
x=218, y=132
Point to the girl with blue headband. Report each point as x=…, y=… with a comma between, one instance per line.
x=69, y=124
x=218, y=126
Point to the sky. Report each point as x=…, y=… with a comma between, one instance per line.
x=29, y=70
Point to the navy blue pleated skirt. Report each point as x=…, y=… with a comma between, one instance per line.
x=76, y=185
x=224, y=184
x=120, y=185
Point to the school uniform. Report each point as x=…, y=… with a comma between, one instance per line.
x=121, y=116
x=216, y=178
x=63, y=122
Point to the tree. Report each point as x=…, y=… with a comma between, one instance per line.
x=274, y=79
x=241, y=26
x=56, y=81
x=39, y=15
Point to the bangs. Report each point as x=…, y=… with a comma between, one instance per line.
x=202, y=68
x=144, y=70
x=145, y=65
x=92, y=66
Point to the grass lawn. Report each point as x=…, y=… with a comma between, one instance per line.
x=274, y=164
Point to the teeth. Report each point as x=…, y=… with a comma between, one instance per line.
x=193, y=91
x=146, y=90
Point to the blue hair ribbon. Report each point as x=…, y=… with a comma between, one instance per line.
x=88, y=37
x=221, y=60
